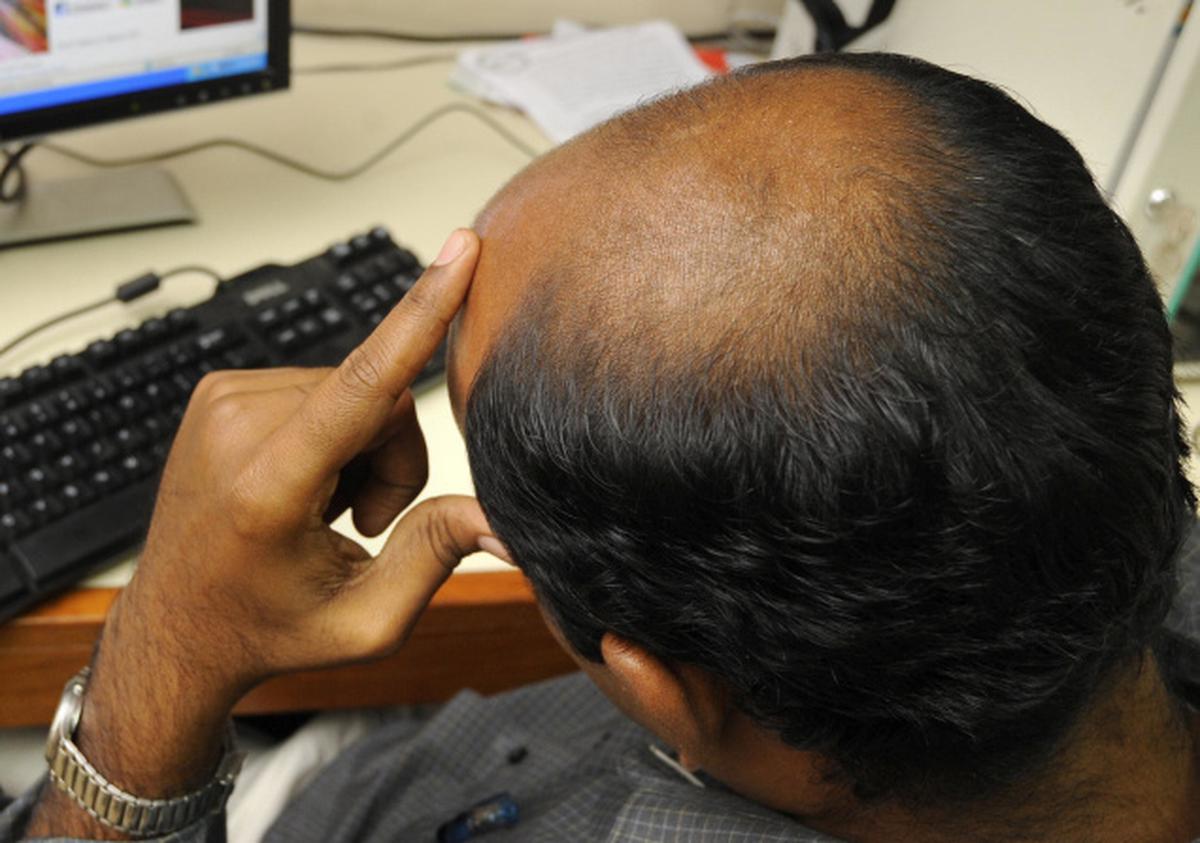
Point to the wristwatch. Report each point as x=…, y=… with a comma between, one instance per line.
x=128, y=814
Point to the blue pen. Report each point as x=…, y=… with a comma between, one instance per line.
x=499, y=811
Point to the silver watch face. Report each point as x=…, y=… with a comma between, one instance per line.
x=66, y=717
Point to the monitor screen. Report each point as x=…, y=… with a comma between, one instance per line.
x=69, y=63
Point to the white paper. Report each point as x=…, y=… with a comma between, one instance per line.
x=571, y=82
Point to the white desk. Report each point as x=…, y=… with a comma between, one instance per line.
x=253, y=211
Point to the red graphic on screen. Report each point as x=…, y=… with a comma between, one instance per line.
x=197, y=13
x=22, y=28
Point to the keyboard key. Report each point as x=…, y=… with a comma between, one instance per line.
x=76, y=430
x=39, y=478
x=12, y=495
x=155, y=329
x=12, y=427
x=183, y=355
x=309, y=328
x=42, y=413
x=70, y=465
x=46, y=508
x=14, y=525
x=46, y=442
x=292, y=308
x=131, y=406
x=339, y=252
x=127, y=341
x=180, y=319
x=101, y=352
x=244, y=359
x=102, y=418
x=156, y=428
x=365, y=303
x=367, y=273
x=217, y=339
x=269, y=318
x=36, y=378
x=136, y=465
x=109, y=524
x=70, y=401
x=105, y=480
x=332, y=319
x=158, y=393
x=11, y=392
x=127, y=378
x=129, y=439
x=75, y=495
x=408, y=261
x=14, y=456
x=286, y=339
x=386, y=293
x=346, y=284
x=99, y=390
x=65, y=367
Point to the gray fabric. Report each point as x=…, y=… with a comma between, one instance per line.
x=587, y=773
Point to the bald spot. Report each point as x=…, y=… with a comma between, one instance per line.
x=743, y=213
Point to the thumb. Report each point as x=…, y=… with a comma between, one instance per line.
x=420, y=554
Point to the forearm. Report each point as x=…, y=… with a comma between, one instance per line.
x=153, y=722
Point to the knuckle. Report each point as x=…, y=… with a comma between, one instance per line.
x=251, y=511
x=436, y=533
x=226, y=413
x=360, y=372
x=212, y=386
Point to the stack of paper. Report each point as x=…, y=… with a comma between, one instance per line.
x=576, y=78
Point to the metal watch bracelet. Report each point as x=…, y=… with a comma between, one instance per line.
x=132, y=815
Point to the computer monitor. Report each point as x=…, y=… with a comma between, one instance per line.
x=66, y=64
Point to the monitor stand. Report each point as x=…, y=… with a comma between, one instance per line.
x=120, y=200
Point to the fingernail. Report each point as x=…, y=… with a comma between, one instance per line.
x=452, y=248
x=492, y=545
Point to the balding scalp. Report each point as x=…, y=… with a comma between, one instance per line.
x=840, y=381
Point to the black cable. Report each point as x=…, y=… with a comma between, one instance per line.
x=300, y=166
x=368, y=67
x=12, y=175
x=126, y=292
x=422, y=38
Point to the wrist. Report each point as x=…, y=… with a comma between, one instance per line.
x=154, y=716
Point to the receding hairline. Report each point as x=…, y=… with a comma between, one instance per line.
x=656, y=216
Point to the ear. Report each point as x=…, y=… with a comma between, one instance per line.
x=682, y=704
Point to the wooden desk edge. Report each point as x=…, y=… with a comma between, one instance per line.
x=481, y=631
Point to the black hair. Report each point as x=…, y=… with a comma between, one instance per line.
x=918, y=537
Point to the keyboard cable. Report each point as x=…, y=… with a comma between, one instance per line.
x=300, y=166
x=129, y=291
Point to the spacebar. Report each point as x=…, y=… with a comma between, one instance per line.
x=81, y=539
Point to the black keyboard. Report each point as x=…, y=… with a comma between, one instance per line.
x=83, y=438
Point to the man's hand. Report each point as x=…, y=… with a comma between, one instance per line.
x=242, y=577
x=262, y=462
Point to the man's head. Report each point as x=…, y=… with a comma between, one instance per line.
x=837, y=384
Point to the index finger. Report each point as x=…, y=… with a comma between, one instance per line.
x=342, y=415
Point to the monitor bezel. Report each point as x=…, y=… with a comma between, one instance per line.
x=28, y=125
